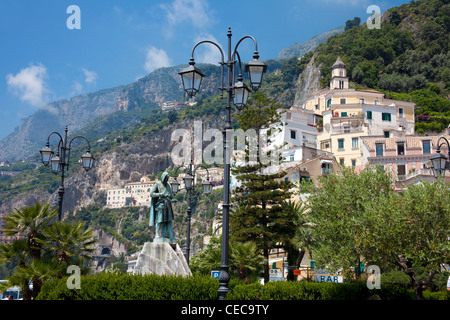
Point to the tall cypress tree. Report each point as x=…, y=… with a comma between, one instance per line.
x=258, y=213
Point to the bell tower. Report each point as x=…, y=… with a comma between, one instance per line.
x=339, y=79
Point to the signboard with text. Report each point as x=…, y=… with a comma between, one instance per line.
x=275, y=274
x=328, y=278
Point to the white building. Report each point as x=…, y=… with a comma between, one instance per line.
x=350, y=114
x=134, y=194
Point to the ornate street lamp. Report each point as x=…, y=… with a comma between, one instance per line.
x=60, y=163
x=241, y=93
x=192, y=78
x=207, y=186
x=236, y=94
x=87, y=160
x=46, y=155
x=439, y=162
x=255, y=69
x=188, y=180
x=189, y=185
x=175, y=186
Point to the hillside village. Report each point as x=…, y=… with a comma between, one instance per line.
x=357, y=128
x=337, y=126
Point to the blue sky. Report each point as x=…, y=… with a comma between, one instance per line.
x=119, y=41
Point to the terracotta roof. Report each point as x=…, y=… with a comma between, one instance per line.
x=412, y=142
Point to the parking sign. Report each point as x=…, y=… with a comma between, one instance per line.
x=215, y=274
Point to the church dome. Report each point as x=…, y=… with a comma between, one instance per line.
x=339, y=63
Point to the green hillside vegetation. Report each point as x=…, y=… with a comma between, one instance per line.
x=129, y=225
x=408, y=58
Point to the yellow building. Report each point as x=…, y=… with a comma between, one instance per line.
x=349, y=114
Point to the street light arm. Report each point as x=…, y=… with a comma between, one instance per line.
x=59, y=151
x=222, y=63
x=89, y=145
x=54, y=132
x=235, y=52
x=439, y=145
x=210, y=42
x=255, y=54
x=69, y=149
x=177, y=168
x=240, y=66
x=201, y=166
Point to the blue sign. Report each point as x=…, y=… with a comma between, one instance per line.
x=215, y=274
x=329, y=278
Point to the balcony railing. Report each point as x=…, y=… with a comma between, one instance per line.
x=415, y=173
x=350, y=129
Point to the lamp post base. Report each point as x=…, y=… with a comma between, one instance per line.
x=224, y=278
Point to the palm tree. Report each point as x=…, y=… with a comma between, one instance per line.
x=43, y=236
x=30, y=222
x=246, y=258
x=209, y=258
x=17, y=252
x=70, y=241
x=304, y=230
x=301, y=242
x=38, y=271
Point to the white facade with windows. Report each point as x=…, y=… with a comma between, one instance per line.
x=350, y=114
x=134, y=194
x=297, y=130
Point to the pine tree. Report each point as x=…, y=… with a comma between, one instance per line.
x=258, y=214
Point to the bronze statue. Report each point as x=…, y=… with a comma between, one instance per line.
x=161, y=212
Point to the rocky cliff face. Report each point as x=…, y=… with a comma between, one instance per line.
x=31, y=135
x=126, y=163
x=161, y=85
x=308, y=82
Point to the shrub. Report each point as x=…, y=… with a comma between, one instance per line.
x=325, y=291
x=133, y=287
x=153, y=287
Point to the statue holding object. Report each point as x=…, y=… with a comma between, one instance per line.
x=161, y=212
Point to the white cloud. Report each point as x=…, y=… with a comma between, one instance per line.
x=29, y=85
x=91, y=76
x=195, y=12
x=156, y=58
x=77, y=88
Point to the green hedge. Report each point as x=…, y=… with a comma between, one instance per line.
x=314, y=291
x=110, y=286
x=153, y=287
x=326, y=291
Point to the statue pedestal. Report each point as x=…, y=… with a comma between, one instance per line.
x=162, y=258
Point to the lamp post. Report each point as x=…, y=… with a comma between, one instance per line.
x=189, y=185
x=237, y=93
x=59, y=163
x=439, y=162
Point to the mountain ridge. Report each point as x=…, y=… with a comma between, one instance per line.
x=159, y=86
x=300, y=49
